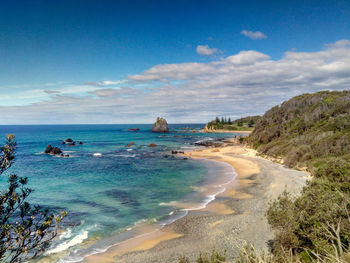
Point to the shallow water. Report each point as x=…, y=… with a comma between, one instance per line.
x=108, y=188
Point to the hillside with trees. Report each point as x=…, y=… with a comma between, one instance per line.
x=223, y=123
x=310, y=131
x=306, y=130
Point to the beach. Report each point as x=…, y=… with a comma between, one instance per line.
x=236, y=216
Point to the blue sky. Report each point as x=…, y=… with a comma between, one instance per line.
x=127, y=58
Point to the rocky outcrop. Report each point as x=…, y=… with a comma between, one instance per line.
x=160, y=125
x=52, y=150
x=70, y=142
x=209, y=143
x=152, y=145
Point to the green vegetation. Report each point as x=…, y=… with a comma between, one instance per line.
x=213, y=257
x=306, y=130
x=25, y=230
x=310, y=131
x=242, y=124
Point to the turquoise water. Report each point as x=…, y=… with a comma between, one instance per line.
x=108, y=188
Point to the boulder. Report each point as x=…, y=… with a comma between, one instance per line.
x=133, y=129
x=152, y=145
x=69, y=140
x=52, y=150
x=160, y=125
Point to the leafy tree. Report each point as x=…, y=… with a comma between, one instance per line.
x=251, y=123
x=25, y=230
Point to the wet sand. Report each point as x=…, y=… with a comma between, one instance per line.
x=234, y=216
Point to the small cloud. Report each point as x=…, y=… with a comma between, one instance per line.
x=206, y=50
x=253, y=35
x=52, y=91
x=104, y=83
x=109, y=82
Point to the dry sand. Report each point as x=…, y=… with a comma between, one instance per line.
x=236, y=215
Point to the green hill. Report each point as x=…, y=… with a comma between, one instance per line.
x=306, y=130
x=242, y=124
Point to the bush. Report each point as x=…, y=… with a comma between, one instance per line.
x=25, y=230
x=309, y=222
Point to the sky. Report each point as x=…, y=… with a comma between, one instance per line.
x=104, y=62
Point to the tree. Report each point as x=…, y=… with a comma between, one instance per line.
x=222, y=120
x=217, y=120
x=251, y=123
x=25, y=230
x=229, y=121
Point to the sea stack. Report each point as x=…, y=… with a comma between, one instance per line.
x=160, y=125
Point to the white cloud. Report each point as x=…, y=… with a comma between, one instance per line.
x=249, y=82
x=206, y=50
x=253, y=35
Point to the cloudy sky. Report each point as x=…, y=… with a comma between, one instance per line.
x=188, y=61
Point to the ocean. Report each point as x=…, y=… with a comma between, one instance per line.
x=109, y=189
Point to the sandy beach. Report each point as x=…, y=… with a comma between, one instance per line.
x=235, y=216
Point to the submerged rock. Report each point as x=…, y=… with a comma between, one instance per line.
x=133, y=129
x=152, y=145
x=52, y=150
x=160, y=125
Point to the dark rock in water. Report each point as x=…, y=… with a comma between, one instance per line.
x=52, y=150
x=70, y=142
x=185, y=158
x=160, y=125
x=130, y=144
x=133, y=129
x=166, y=156
x=209, y=143
x=177, y=152
x=152, y=145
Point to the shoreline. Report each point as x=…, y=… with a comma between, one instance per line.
x=225, y=131
x=225, y=217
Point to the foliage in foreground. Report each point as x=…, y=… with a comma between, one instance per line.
x=25, y=230
x=318, y=220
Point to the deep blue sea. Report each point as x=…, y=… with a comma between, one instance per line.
x=108, y=188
